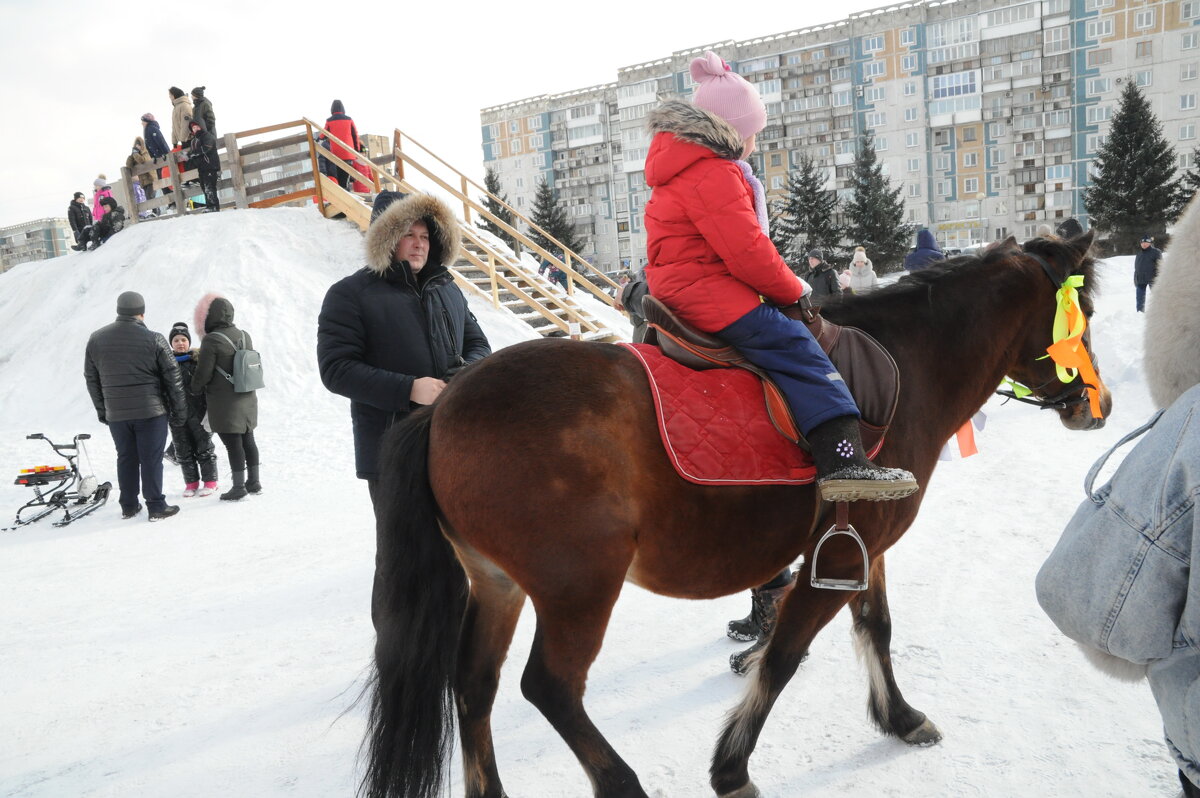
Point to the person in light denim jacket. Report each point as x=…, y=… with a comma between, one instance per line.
x=1120, y=580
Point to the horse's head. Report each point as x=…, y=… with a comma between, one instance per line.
x=1055, y=367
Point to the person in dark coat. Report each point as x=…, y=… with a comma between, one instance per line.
x=109, y=225
x=134, y=384
x=80, y=218
x=202, y=154
x=821, y=276
x=391, y=334
x=232, y=416
x=202, y=110
x=1145, y=269
x=156, y=145
x=194, y=451
x=926, y=252
x=342, y=127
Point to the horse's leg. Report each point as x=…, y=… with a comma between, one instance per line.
x=570, y=630
x=493, y=607
x=803, y=613
x=872, y=641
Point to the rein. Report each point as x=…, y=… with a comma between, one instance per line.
x=1069, y=351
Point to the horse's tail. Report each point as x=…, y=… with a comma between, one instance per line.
x=417, y=608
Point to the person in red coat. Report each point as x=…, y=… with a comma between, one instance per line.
x=342, y=127
x=712, y=262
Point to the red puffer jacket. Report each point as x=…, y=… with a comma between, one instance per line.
x=709, y=259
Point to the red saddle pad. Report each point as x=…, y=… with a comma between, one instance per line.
x=715, y=427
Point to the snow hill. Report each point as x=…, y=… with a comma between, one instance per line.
x=220, y=653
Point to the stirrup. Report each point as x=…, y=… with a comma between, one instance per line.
x=841, y=526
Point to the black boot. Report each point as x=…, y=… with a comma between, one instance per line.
x=765, y=609
x=252, y=483
x=844, y=474
x=763, y=603
x=238, y=491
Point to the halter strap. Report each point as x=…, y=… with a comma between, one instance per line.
x=1045, y=264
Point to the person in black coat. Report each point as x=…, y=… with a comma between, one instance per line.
x=156, y=145
x=194, y=450
x=80, y=217
x=823, y=279
x=134, y=383
x=109, y=225
x=202, y=154
x=1145, y=269
x=926, y=252
x=391, y=334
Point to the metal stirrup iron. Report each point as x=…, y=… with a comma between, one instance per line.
x=841, y=526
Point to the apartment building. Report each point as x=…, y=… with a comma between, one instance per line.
x=36, y=240
x=988, y=113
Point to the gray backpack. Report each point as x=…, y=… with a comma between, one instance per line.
x=247, y=373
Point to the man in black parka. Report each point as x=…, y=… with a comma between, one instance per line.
x=391, y=334
x=80, y=217
x=135, y=386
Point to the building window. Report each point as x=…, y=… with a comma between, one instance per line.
x=881, y=144
x=1187, y=102
x=1187, y=71
x=999, y=182
x=1187, y=132
x=941, y=137
x=874, y=94
x=1144, y=19
x=1102, y=113
x=873, y=69
x=840, y=99
x=908, y=36
x=1189, y=9
x=872, y=44
x=914, y=189
x=909, y=63
x=1058, y=119
x=999, y=156
x=1095, y=141
x=1144, y=50
x=1057, y=40
x=876, y=119
x=776, y=182
x=843, y=147
x=839, y=74
x=970, y=159
x=1188, y=42
x=818, y=55
x=1099, y=28
x=970, y=133
x=1092, y=5
x=997, y=129
x=942, y=188
x=942, y=162
x=1099, y=85
x=912, y=139
x=1144, y=77
x=910, y=114
x=953, y=85
x=1099, y=57
x=914, y=164
x=1060, y=172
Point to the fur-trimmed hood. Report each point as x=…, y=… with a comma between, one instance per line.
x=1172, y=333
x=692, y=125
x=386, y=231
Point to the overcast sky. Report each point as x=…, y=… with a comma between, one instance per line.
x=76, y=76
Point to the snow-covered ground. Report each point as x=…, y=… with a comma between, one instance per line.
x=220, y=652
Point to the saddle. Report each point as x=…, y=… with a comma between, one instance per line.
x=867, y=368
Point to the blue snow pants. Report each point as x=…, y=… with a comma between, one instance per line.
x=140, y=452
x=787, y=351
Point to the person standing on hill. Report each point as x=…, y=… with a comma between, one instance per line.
x=1145, y=269
x=80, y=219
x=231, y=415
x=202, y=109
x=139, y=155
x=134, y=384
x=100, y=190
x=203, y=155
x=181, y=114
x=156, y=145
x=862, y=272
x=824, y=280
x=194, y=450
x=342, y=127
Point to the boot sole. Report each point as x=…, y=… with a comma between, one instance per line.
x=853, y=490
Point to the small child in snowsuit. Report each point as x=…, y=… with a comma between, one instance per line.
x=193, y=444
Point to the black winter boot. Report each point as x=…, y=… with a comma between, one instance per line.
x=844, y=474
x=765, y=609
x=238, y=491
x=763, y=604
x=252, y=483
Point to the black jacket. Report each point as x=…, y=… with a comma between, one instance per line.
x=202, y=149
x=824, y=282
x=131, y=373
x=229, y=412
x=110, y=224
x=1145, y=265
x=155, y=143
x=202, y=111
x=80, y=216
x=383, y=327
x=197, y=406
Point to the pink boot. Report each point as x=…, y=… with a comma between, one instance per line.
x=209, y=488
x=189, y=490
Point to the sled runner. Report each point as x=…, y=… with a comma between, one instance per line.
x=60, y=488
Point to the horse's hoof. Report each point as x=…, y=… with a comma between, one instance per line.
x=925, y=734
x=746, y=791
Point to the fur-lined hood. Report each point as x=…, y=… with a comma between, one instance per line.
x=1172, y=333
x=691, y=123
x=386, y=231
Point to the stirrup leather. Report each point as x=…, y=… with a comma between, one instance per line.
x=841, y=526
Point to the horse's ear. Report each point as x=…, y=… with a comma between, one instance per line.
x=1007, y=245
x=1081, y=244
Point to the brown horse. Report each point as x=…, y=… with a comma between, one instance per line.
x=463, y=540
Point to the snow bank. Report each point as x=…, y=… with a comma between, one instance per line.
x=219, y=653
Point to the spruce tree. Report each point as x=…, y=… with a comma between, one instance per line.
x=1135, y=191
x=491, y=181
x=552, y=217
x=806, y=217
x=875, y=214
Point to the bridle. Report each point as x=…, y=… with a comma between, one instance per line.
x=1068, y=397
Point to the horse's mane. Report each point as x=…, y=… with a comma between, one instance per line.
x=918, y=286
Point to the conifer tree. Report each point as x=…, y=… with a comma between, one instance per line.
x=552, y=217
x=491, y=181
x=805, y=217
x=1135, y=191
x=875, y=214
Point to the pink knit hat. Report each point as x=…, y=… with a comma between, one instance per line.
x=727, y=94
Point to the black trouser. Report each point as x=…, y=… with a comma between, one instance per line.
x=242, y=449
x=376, y=585
x=194, y=451
x=139, y=451
x=343, y=177
x=208, y=183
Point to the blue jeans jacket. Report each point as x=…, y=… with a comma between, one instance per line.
x=1120, y=579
